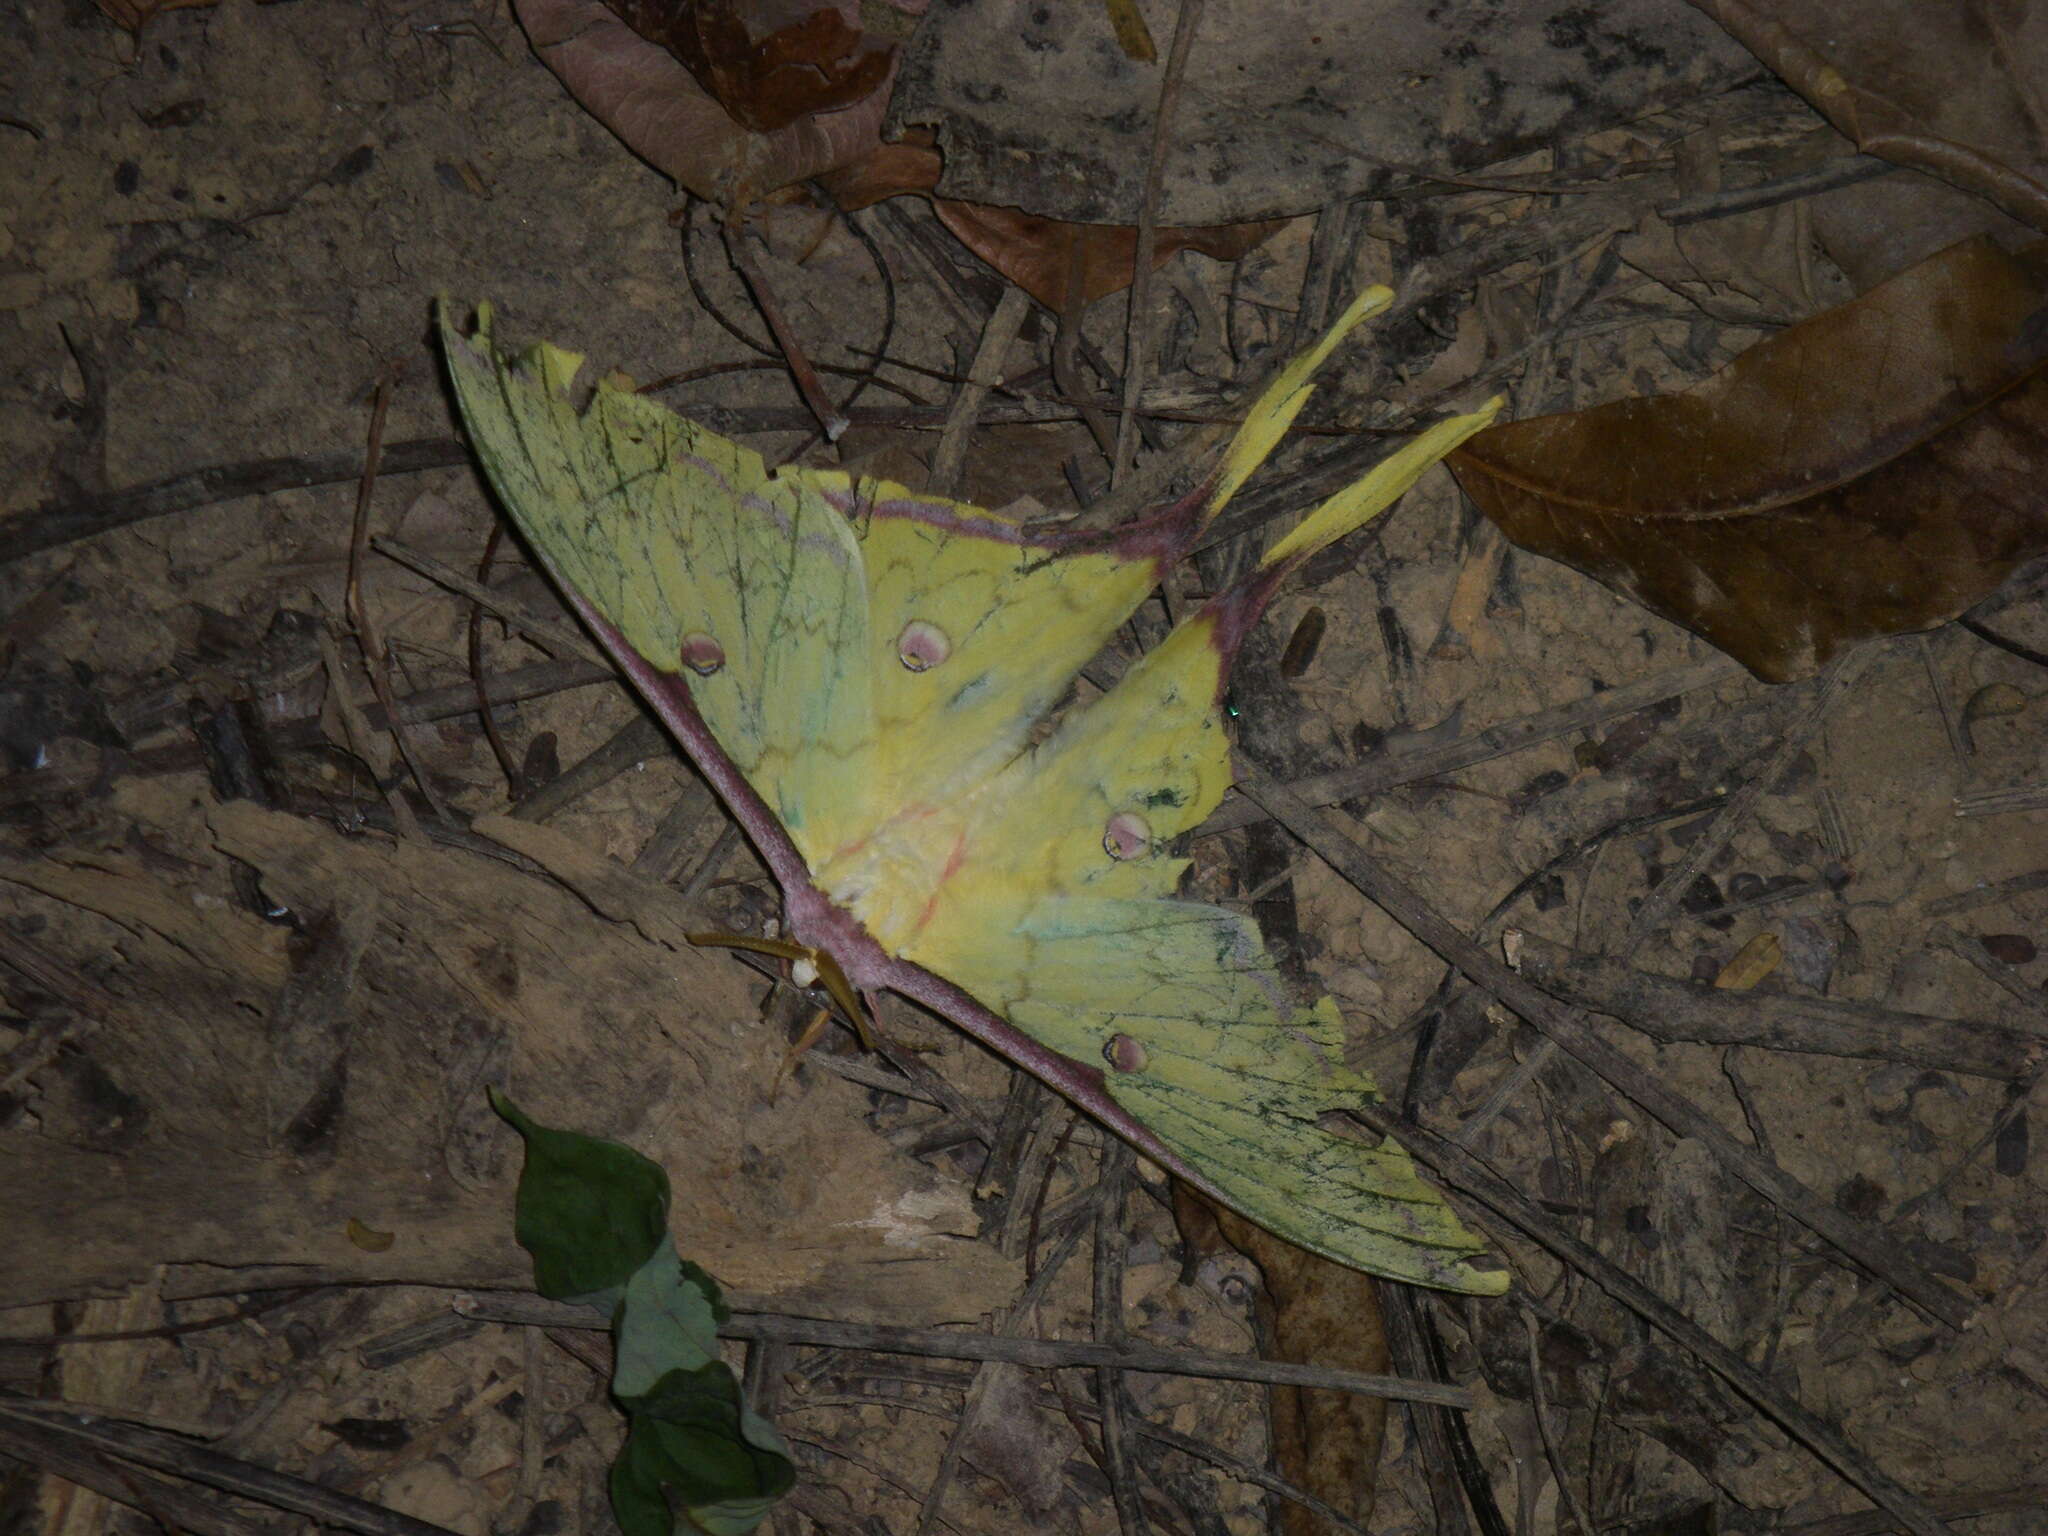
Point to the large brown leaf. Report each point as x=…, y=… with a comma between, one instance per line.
x=1876, y=469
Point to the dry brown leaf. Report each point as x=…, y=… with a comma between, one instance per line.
x=766, y=76
x=646, y=96
x=1873, y=470
x=1952, y=89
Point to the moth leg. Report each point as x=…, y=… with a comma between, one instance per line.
x=814, y=1031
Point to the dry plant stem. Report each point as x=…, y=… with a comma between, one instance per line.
x=808, y=385
x=558, y=637
x=1469, y=748
x=1110, y=1253
x=355, y=725
x=1657, y=910
x=634, y=743
x=1966, y=947
x=376, y=659
x=1669, y=1010
x=661, y=856
x=201, y=1464
x=510, y=766
x=2003, y=802
x=1951, y=726
x=1138, y=332
x=984, y=1378
x=1066, y=347
x=2028, y=1498
x=1565, y=1026
x=1988, y=895
x=1566, y=1493
x=949, y=460
x=948, y=1344
x=1662, y=902
x=66, y=520
x=171, y=1505
x=1459, y=1168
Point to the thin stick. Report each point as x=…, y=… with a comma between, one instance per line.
x=984, y=1379
x=1570, y=1030
x=376, y=659
x=1474, y=747
x=638, y=740
x=808, y=385
x=172, y=1453
x=1138, y=332
x=65, y=520
x=558, y=637
x=947, y=1344
x=1454, y=1164
x=1656, y=911
x=1110, y=1253
x=1670, y=1010
x=983, y=374
x=1658, y=907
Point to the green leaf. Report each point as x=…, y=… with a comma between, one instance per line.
x=590, y=1212
x=669, y=1321
x=695, y=1447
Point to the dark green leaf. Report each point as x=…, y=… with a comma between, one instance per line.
x=590, y=1212
x=695, y=1447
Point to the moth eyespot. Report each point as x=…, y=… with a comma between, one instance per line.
x=922, y=646
x=702, y=654
x=1127, y=835
x=1124, y=1054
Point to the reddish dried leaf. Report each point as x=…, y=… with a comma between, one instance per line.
x=1876, y=469
x=1952, y=89
x=766, y=76
x=1033, y=253
x=652, y=102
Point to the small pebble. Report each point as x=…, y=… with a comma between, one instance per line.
x=2012, y=948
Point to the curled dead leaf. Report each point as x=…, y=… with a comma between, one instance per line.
x=1874, y=470
x=650, y=99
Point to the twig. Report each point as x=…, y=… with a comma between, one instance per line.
x=1842, y=171
x=1468, y=749
x=356, y=726
x=510, y=766
x=1457, y=1166
x=1110, y=1253
x=808, y=385
x=983, y=374
x=947, y=1344
x=984, y=1379
x=2026, y=1499
x=2003, y=802
x=1674, y=1010
x=170, y=1453
x=632, y=744
x=560, y=638
x=1951, y=726
x=1574, y=1034
x=376, y=661
x=1988, y=895
x=1657, y=909
x=1996, y=970
x=169, y=1504
x=64, y=520
x=1138, y=330
x=1566, y=1492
